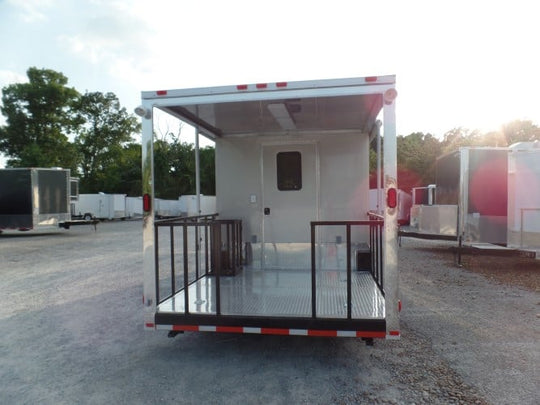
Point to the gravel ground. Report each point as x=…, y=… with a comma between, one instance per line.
x=71, y=321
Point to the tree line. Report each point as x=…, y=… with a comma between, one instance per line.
x=418, y=152
x=49, y=124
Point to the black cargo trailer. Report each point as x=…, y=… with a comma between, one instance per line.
x=34, y=198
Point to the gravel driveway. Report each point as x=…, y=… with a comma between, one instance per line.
x=71, y=332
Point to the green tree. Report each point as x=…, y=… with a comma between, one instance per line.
x=520, y=131
x=104, y=128
x=39, y=120
x=493, y=138
x=207, y=165
x=416, y=155
x=460, y=137
x=125, y=176
x=174, y=168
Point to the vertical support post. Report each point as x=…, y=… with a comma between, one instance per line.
x=150, y=257
x=156, y=265
x=186, y=272
x=389, y=262
x=240, y=243
x=197, y=168
x=173, y=281
x=228, y=245
x=349, y=275
x=313, y=280
x=206, y=252
x=216, y=261
x=380, y=261
x=197, y=248
x=372, y=249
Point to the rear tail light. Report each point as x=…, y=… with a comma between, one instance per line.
x=147, y=203
x=391, y=198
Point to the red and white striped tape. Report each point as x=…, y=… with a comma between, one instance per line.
x=276, y=331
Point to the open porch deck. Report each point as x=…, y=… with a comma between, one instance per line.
x=281, y=293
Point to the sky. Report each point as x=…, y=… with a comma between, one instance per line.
x=471, y=64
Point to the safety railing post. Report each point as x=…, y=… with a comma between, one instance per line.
x=186, y=270
x=173, y=279
x=197, y=250
x=206, y=255
x=156, y=261
x=216, y=261
x=349, y=273
x=313, y=272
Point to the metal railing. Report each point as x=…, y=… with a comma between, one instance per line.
x=217, y=250
x=375, y=243
x=375, y=225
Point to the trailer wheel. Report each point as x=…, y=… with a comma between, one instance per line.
x=87, y=217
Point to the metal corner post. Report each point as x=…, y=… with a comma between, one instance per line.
x=390, y=246
x=149, y=269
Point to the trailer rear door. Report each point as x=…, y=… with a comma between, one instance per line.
x=289, y=192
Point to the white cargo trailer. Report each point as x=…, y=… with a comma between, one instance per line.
x=167, y=208
x=101, y=206
x=524, y=195
x=470, y=198
x=206, y=204
x=134, y=207
x=291, y=248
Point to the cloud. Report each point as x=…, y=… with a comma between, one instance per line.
x=9, y=77
x=113, y=38
x=32, y=10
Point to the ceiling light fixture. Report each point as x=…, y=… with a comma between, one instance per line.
x=282, y=116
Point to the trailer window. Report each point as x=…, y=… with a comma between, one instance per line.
x=289, y=171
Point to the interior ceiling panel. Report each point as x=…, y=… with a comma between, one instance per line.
x=309, y=114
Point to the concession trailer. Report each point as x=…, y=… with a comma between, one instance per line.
x=292, y=248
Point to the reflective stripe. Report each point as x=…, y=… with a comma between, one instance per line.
x=276, y=331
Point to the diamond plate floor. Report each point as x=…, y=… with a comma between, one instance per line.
x=282, y=293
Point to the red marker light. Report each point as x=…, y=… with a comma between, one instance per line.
x=161, y=92
x=146, y=203
x=261, y=85
x=371, y=79
x=241, y=87
x=281, y=84
x=391, y=198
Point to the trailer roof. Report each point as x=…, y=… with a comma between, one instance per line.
x=334, y=105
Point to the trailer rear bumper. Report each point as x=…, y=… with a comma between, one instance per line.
x=363, y=328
